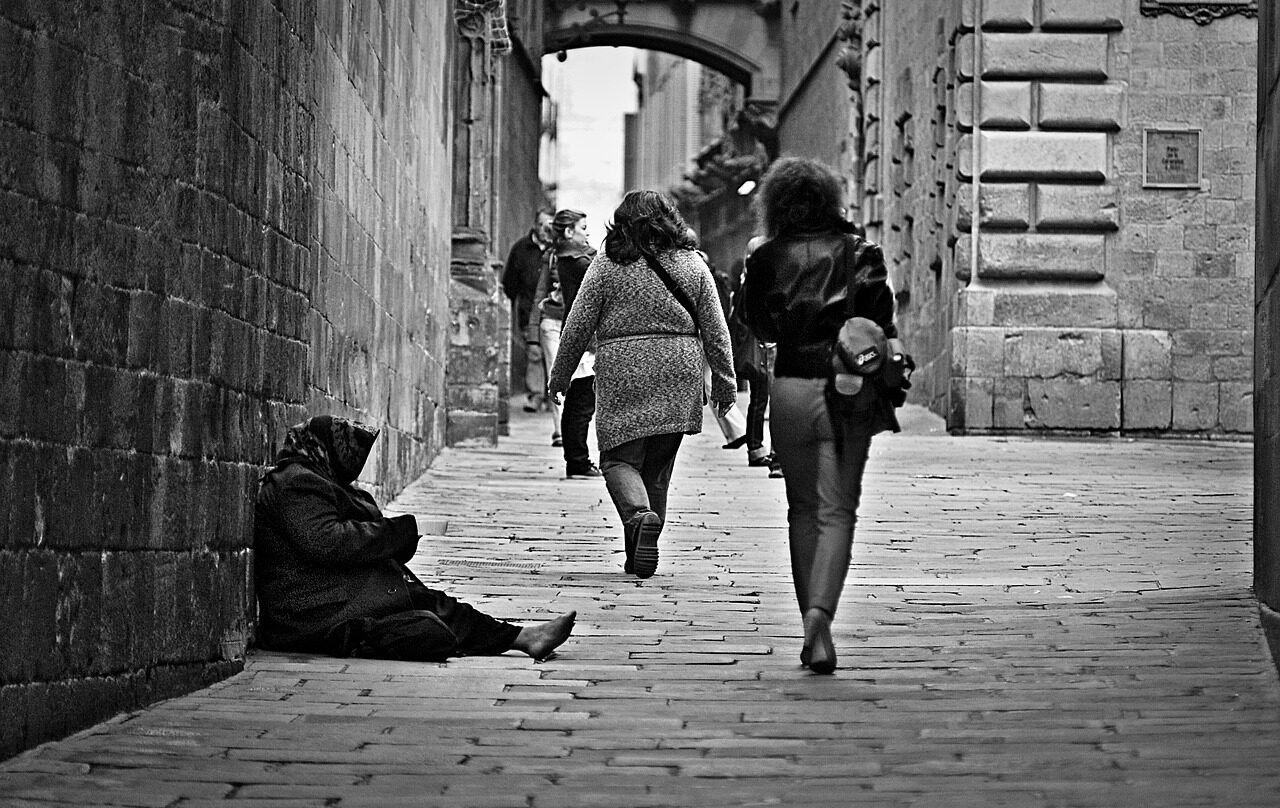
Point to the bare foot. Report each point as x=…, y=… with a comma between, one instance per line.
x=539, y=640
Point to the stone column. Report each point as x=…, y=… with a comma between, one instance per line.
x=479, y=320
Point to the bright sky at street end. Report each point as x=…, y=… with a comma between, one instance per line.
x=594, y=89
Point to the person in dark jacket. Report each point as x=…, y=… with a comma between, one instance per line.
x=801, y=285
x=330, y=568
x=520, y=283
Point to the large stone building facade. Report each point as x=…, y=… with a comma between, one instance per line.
x=1103, y=284
x=1106, y=286
x=219, y=219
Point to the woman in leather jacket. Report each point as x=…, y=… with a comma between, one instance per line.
x=811, y=275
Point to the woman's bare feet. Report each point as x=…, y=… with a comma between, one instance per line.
x=540, y=639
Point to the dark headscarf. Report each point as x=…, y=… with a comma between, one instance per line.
x=334, y=447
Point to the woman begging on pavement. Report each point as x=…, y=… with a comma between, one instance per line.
x=801, y=285
x=651, y=304
x=330, y=568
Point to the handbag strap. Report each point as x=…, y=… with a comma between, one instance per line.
x=674, y=288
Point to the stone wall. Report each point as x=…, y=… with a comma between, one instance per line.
x=219, y=219
x=520, y=111
x=1101, y=302
x=1266, y=521
x=876, y=106
x=813, y=108
x=377, y=323
x=909, y=181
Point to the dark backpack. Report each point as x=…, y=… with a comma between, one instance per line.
x=866, y=367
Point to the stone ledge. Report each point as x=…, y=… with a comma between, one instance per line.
x=1036, y=257
x=1005, y=105
x=1030, y=304
x=1077, y=207
x=1037, y=56
x=1053, y=156
x=1090, y=107
x=1000, y=205
x=1091, y=15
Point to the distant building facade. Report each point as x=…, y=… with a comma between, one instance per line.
x=1107, y=286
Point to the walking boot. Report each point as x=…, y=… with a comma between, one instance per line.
x=647, y=527
x=629, y=547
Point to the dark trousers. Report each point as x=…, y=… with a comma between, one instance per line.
x=437, y=628
x=824, y=487
x=575, y=420
x=758, y=384
x=638, y=472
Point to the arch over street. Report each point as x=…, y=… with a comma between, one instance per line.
x=734, y=37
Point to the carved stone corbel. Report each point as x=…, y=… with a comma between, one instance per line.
x=1202, y=12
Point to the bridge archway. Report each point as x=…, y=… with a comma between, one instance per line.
x=735, y=37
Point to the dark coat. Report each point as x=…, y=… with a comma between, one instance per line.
x=799, y=290
x=520, y=275
x=324, y=554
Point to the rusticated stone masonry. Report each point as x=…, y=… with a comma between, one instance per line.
x=1103, y=302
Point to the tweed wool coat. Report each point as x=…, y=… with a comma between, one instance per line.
x=324, y=554
x=649, y=360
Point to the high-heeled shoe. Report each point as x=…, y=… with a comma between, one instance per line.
x=736, y=443
x=817, y=642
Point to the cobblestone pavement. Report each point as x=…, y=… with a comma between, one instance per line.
x=1027, y=623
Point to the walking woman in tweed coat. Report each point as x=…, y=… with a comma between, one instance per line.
x=649, y=359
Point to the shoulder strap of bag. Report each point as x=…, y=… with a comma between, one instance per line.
x=674, y=288
x=851, y=255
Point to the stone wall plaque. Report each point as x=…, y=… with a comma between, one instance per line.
x=1171, y=158
x=1202, y=11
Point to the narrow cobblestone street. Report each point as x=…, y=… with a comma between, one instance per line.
x=1027, y=623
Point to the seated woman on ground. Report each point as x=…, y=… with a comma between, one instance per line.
x=330, y=568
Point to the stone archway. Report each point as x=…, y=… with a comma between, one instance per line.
x=734, y=37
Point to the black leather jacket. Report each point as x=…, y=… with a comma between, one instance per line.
x=797, y=294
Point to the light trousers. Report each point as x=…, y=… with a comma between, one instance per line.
x=549, y=336
x=823, y=489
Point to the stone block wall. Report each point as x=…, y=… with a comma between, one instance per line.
x=910, y=183
x=813, y=107
x=520, y=111
x=378, y=322
x=1266, y=508
x=218, y=219
x=1075, y=248
x=837, y=90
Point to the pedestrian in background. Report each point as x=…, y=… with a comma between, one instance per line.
x=753, y=361
x=520, y=284
x=569, y=258
x=650, y=303
x=811, y=275
x=732, y=423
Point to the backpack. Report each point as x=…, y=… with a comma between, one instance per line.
x=866, y=369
